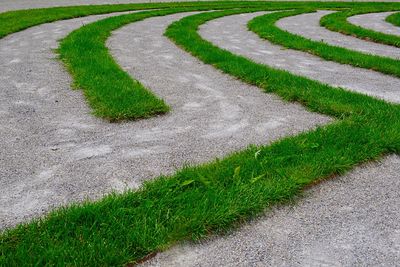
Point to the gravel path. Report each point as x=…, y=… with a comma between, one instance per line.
x=6, y=5
x=231, y=33
x=307, y=25
x=376, y=22
x=54, y=152
x=353, y=220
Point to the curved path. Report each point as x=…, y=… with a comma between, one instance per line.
x=7, y=5
x=54, y=151
x=307, y=25
x=336, y=224
x=375, y=22
x=231, y=33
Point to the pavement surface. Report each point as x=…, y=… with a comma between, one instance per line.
x=73, y=156
x=353, y=220
x=57, y=152
x=307, y=25
x=376, y=22
x=6, y=5
x=231, y=33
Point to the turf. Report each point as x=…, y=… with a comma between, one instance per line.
x=394, y=19
x=265, y=27
x=212, y=198
x=338, y=22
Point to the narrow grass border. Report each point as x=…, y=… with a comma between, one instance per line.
x=338, y=22
x=394, y=19
x=265, y=27
x=213, y=197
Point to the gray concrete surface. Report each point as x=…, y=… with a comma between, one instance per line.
x=307, y=25
x=53, y=151
x=6, y=5
x=375, y=22
x=231, y=33
x=352, y=220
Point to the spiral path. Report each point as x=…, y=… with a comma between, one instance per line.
x=306, y=234
x=307, y=25
x=55, y=152
x=376, y=22
x=231, y=33
x=212, y=115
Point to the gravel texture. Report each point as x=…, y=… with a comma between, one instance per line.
x=353, y=220
x=231, y=33
x=6, y=5
x=307, y=25
x=376, y=22
x=53, y=151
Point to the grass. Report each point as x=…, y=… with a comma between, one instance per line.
x=211, y=198
x=394, y=19
x=111, y=92
x=338, y=22
x=265, y=27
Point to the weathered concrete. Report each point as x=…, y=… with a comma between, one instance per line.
x=353, y=220
x=307, y=25
x=53, y=151
x=231, y=33
x=375, y=22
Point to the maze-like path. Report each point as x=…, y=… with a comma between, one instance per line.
x=306, y=234
x=376, y=22
x=55, y=152
x=307, y=25
x=212, y=115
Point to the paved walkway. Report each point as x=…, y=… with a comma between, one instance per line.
x=353, y=220
x=375, y=22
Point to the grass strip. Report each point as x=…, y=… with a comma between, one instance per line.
x=265, y=27
x=338, y=22
x=394, y=19
x=13, y=21
x=109, y=90
x=214, y=197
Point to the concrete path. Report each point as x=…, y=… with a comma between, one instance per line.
x=375, y=22
x=231, y=33
x=307, y=25
x=53, y=151
x=353, y=220
x=6, y=5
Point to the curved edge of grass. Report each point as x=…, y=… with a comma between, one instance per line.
x=211, y=198
x=264, y=26
x=18, y=20
x=394, y=19
x=109, y=90
x=338, y=22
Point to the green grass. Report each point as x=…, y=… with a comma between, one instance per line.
x=111, y=92
x=265, y=27
x=338, y=22
x=211, y=198
x=394, y=19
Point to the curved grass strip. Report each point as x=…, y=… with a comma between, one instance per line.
x=211, y=198
x=265, y=27
x=13, y=21
x=394, y=19
x=338, y=22
x=110, y=91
